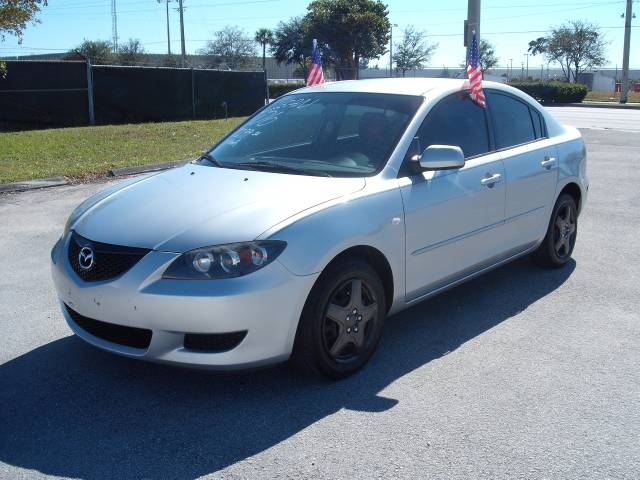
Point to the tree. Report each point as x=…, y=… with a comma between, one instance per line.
x=576, y=46
x=264, y=37
x=348, y=31
x=16, y=14
x=488, y=58
x=413, y=52
x=231, y=48
x=131, y=53
x=99, y=52
x=292, y=43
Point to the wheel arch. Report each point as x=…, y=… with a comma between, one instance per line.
x=378, y=262
x=573, y=189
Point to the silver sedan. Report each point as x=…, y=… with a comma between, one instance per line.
x=325, y=212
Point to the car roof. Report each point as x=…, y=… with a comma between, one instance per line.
x=430, y=89
x=424, y=87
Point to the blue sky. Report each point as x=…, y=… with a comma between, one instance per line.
x=66, y=23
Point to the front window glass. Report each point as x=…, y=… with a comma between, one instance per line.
x=457, y=120
x=330, y=134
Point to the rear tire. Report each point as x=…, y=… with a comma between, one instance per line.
x=556, y=248
x=342, y=321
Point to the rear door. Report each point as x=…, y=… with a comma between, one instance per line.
x=531, y=166
x=453, y=218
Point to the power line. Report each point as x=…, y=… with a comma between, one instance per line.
x=510, y=6
x=156, y=42
x=81, y=6
x=457, y=22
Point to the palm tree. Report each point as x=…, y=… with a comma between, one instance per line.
x=264, y=37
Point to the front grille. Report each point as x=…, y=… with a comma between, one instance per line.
x=213, y=342
x=109, y=261
x=128, y=336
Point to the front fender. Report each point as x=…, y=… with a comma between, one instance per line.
x=371, y=218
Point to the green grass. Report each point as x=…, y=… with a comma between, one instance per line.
x=634, y=97
x=92, y=151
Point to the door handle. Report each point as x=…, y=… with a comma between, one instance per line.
x=491, y=180
x=548, y=162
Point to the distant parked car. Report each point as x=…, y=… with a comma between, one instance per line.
x=325, y=212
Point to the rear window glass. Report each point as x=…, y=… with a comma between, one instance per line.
x=512, y=121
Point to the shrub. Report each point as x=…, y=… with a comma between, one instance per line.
x=278, y=89
x=553, y=92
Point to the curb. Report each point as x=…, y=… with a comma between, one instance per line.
x=620, y=106
x=33, y=184
x=116, y=172
x=155, y=167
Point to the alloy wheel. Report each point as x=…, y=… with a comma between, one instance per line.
x=349, y=320
x=564, y=231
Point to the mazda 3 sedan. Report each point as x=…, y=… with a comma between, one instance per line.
x=325, y=212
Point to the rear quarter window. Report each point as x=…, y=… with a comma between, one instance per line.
x=538, y=123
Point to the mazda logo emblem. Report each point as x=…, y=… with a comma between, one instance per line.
x=86, y=258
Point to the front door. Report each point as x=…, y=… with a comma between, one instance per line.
x=453, y=218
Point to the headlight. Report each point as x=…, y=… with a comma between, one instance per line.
x=224, y=261
x=55, y=250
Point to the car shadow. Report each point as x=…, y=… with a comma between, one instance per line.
x=71, y=410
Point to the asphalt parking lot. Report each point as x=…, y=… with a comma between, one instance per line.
x=521, y=373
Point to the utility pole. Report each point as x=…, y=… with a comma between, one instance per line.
x=527, y=55
x=184, y=50
x=624, y=93
x=472, y=24
x=168, y=30
x=391, y=49
x=510, y=69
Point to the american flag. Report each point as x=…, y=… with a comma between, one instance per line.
x=315, y=77
x=474, y=72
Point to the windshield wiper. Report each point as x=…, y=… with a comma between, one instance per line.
x=275, y=167
x=211, y=159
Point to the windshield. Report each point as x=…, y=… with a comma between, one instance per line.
x=330, y=134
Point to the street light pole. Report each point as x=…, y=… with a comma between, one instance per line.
x=624, y=93
x=391, y=49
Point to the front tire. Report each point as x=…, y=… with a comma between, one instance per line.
x=557, y=246
x=342, y=321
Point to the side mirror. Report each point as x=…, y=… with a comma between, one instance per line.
x=442, y=157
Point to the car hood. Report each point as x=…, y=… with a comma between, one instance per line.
x=196, y=206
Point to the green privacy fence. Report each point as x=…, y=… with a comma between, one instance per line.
x=52, y=94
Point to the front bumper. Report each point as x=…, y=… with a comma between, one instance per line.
x=266, y=304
